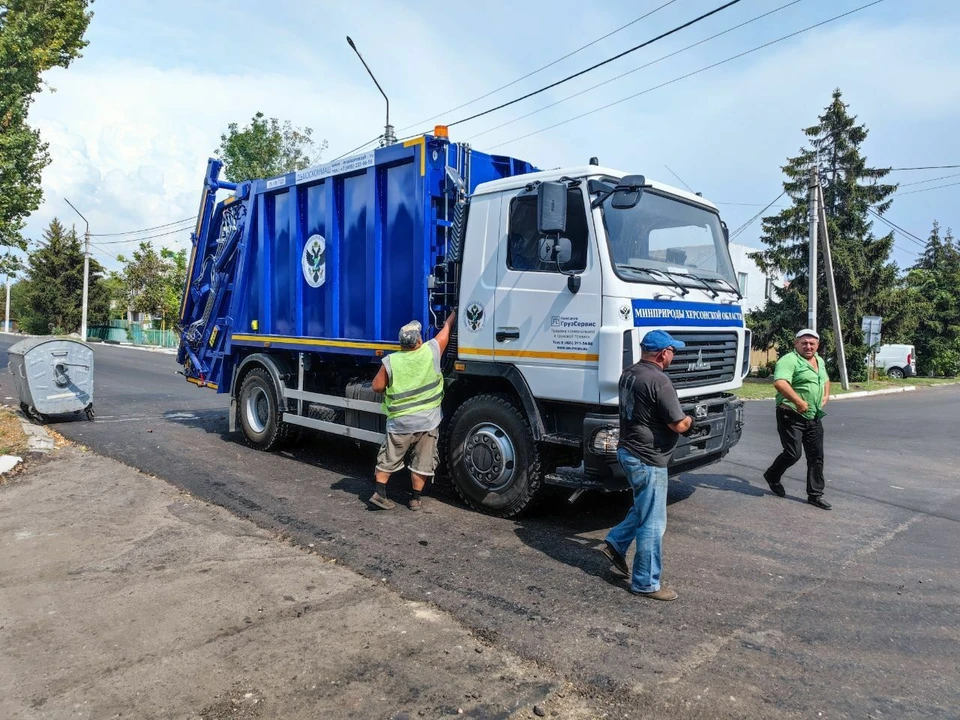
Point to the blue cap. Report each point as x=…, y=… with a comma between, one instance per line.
x=660, y=340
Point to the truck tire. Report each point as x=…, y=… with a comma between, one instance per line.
x=259, y=413
x=895, y=373
x=492, y=457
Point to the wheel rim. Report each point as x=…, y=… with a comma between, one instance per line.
x=257, y=410
x=489, y=456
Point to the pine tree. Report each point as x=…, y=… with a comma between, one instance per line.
x=934, y=287
x=55, y=281
x=865, y=278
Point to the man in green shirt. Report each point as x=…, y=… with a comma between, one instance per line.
x=803, y=389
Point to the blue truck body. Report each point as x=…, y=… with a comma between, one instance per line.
x=333, y=259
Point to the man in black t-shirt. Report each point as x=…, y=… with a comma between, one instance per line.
x=651, y=420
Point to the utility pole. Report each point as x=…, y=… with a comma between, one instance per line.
x=812, y=265
x=832, y=292
x=86, y=273
x=389, y=138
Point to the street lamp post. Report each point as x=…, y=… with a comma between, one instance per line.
x=389, y=138
x=6, y=319
x=86, y=272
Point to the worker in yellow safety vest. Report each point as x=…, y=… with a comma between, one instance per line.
x=413, y=392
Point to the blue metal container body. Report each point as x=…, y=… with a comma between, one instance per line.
x=333, y=259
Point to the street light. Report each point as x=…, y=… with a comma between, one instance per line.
x=86, y=272
x=388, y=136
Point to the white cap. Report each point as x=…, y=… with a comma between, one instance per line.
x=807, y=331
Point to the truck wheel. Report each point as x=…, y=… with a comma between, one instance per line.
x=895, y=373
x=493, y=458
x=260, y=414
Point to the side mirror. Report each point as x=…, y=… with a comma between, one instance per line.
x=551, y=208
x=628, y=191
x=726, y=232
x=558, y=250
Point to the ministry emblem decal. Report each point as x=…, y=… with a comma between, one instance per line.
x=314, y=261
x=474, y=316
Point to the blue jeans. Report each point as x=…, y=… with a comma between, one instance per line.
x=645, y=522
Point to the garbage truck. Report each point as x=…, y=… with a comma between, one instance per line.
x=298, y=285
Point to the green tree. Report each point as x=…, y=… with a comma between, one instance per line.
x=266, y=148
x=866, y=280
x=35, y=35
x=116, y=290
x=933, y=285
x=55, y=285
x=153, y=281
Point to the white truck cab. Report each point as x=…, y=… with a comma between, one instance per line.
x=560, y=301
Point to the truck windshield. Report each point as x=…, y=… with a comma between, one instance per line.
x=667, y=241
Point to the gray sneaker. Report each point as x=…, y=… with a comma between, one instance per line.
x=382, y=502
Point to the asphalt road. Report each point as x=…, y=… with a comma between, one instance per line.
x=785, y=610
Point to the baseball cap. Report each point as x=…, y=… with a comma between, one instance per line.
x=410, y=334
x=807, y=331
x=660, y=340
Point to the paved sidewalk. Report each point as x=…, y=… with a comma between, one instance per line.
x=121, y=597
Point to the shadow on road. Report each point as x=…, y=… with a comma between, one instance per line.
x=729, y=483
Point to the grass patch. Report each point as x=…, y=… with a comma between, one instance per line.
x=762, y=388
x=13, y=441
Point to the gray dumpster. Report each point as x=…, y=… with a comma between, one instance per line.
x=53, y=376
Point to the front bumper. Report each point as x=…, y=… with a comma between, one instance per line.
x=719, y=426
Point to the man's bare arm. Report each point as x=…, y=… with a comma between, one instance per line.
x=786, y=389
x=380, y=381
x=681, y=426
x=443, y=337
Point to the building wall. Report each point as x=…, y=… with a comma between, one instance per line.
x=758, y=285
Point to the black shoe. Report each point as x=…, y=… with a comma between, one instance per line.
x=775, y=487
x=819, y=502
x=618, y=560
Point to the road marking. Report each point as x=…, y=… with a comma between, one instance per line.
x=896, y=487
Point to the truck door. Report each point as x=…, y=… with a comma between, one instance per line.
x=548, y=332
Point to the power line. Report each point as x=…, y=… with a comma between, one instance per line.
x=100, y=249
x=358, y=147
x=668, y=33
x=927, y=167
x=142, y=230
x=896, y=228
x=691, y=74
x=679, y=178
x=937, y=187
x=736, y=233
x=636, y=69
x=148, y=237
x=921, y=182
x=541, y=69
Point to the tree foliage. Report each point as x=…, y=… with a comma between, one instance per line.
x=54, y=295
x=933, y=287
x=35, y=36
x=266, y=148
x=866, y=279
x=153, y=280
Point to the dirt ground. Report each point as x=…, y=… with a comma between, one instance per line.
x=121, y=597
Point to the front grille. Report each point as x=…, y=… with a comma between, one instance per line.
x=715, y=350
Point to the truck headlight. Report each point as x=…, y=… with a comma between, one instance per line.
x=605, y=440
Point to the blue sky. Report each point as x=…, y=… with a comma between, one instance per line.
x=132, y=122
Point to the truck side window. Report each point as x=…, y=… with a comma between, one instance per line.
x=523, y=239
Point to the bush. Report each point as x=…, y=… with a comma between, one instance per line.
x=946, y=363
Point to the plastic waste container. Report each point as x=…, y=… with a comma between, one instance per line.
x=52, y=376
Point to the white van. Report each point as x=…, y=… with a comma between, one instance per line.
x=899, y=361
